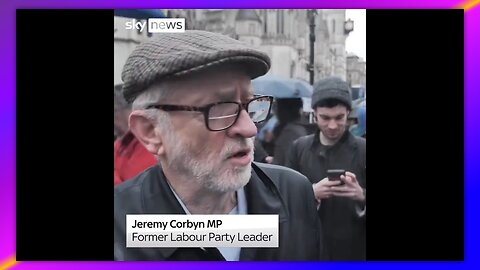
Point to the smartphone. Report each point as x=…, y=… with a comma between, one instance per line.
x=334, y=175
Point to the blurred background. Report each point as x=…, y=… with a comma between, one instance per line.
x=304, y=45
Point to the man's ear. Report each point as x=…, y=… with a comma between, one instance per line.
x=144, y=129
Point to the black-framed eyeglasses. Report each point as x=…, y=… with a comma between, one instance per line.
x=222, y=115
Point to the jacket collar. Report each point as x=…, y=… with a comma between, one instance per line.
x=158, y=198
x=263, y=197
x=346, y=139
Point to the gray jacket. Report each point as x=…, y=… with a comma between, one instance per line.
x=343, y=229
x=288, y=135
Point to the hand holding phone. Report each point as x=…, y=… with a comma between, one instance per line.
x=334, y=175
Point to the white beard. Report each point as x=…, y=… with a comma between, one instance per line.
x=208, y=170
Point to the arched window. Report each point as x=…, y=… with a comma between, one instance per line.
x=280, y=22
x=265, y=22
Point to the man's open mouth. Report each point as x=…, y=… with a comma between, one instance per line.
x=240, y=154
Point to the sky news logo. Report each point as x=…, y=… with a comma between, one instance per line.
x=158, y=25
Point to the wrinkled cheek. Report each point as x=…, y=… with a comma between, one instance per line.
x=205, y=143
x=213, y=152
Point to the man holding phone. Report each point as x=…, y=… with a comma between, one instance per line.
x=335, y=163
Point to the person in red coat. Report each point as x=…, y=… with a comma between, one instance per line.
x=129, y=156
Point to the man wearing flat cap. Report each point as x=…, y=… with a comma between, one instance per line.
x=194, y=109
x=341, y=199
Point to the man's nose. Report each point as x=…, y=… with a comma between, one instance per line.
x=332, y=124
x=244, y=126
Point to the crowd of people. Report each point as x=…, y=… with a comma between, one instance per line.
x=188, y=128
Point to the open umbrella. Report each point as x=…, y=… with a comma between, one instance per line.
x=361, y=102
x=139, y=13
x=281, y=87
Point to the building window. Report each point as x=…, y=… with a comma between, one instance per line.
x=251, y=28
x=265, y=22
x=280, y=22
x=333, y=26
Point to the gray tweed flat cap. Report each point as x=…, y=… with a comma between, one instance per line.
x=331, y=88
x=176, y=54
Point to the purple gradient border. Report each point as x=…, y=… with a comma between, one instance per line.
x=7, y=130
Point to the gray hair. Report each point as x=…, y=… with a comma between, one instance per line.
x=153, y=95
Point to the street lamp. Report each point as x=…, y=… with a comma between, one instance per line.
x=311, y=17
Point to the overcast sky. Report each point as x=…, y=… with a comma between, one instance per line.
x=356, y=40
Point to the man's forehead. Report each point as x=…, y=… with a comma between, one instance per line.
x=334, y=111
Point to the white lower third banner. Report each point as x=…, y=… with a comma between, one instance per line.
x=202, y=231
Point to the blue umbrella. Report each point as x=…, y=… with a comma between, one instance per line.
x=361, y=128
x=280, y=87
x=139, y=13
x=360, y=102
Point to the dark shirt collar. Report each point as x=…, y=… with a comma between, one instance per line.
x=347, y=138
